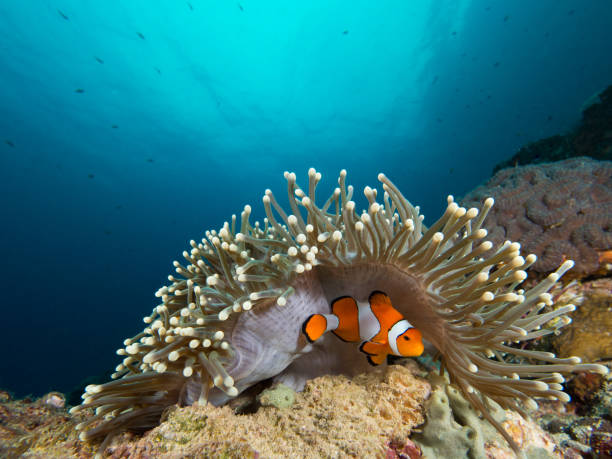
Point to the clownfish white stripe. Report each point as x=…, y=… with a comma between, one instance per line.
x=396, y=330
x=332, y=322
x=369, y=325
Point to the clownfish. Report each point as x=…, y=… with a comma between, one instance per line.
x=378, y=326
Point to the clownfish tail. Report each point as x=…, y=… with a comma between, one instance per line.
x=314, y=327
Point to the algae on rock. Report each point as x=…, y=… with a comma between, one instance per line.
x=280, y=396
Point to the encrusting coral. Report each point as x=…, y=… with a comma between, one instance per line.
x=558, y=211
x=233, y=314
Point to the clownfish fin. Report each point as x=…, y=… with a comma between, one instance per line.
x=377, y=359
x=314, y=327
x=373, y=349
x=379, y=297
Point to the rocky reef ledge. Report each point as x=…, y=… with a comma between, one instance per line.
x=399, y=411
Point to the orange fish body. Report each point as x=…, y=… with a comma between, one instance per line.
x=378, y=326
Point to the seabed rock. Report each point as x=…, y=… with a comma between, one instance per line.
x=391, y=412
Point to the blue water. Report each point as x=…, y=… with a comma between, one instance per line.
x=128, y=128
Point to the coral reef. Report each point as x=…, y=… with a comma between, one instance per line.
x=40, y=428
x=557, y=211
x=333, y=417
x=391, y=412
x=592, y=138
x=233, y=316
x=589, y=336
x=582, y=428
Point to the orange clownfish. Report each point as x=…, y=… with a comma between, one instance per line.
x=378, y=326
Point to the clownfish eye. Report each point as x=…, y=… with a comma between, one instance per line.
x=406, y=338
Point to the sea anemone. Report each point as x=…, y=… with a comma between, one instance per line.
x=232, y=316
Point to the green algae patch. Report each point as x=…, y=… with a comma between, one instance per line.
x=279, y=396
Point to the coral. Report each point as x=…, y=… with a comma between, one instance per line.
x=557, y=211
x=402, y=449
x=232, y=316
x=39, y=428
x=586, y=436
x=454, y=429
x=584, y=386
x=376, y=414
x=333, y=417
x=584, y=425
x=588, y=336
x=592, y=138
x=55, y=399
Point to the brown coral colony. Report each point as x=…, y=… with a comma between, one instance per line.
x=558, y=211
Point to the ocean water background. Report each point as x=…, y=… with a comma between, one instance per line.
x=129, y=128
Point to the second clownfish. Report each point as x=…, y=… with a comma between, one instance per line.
x=378, y=326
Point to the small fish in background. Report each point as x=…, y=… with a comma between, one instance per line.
x=79, y=90
x=240, y=6
x=451, y=170
x=9, y=143
x=108, y=232
x=150, y=160
x=496, y=65
x=506, y=18
x=549, y=118
x=571, y=12
x=90, y=176
x=345, y=32
x=435, y=80
x=118, y=207
x=140, y=35
x=377, y=325
x=190, y=6
x=100, y=61
x=454, y=32
x=63, y=15
x=114, y=126
x=157, y=70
